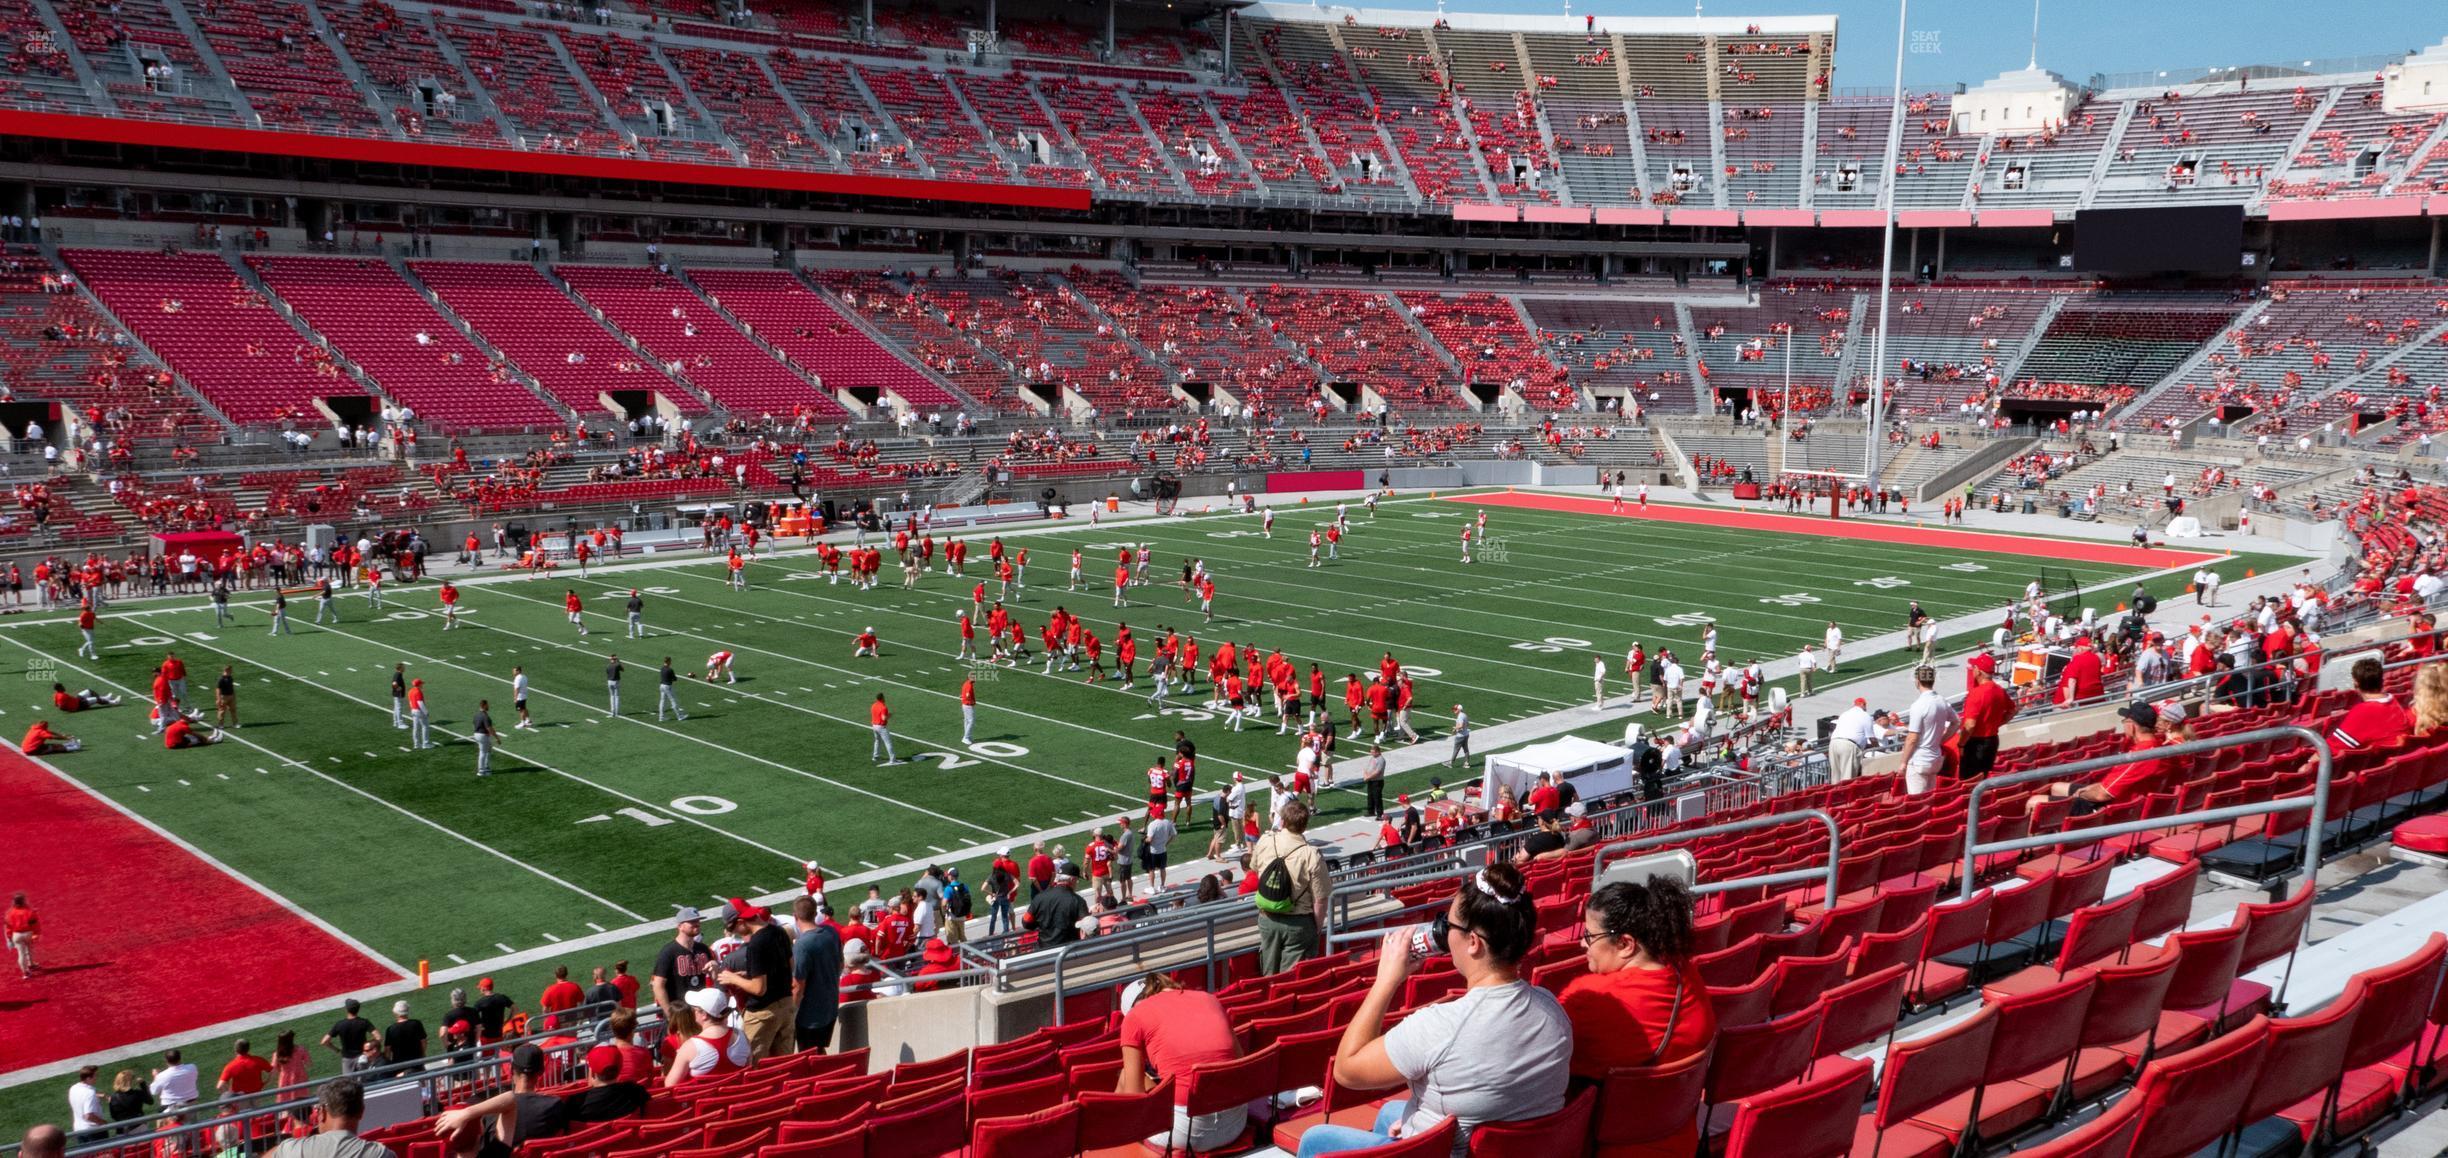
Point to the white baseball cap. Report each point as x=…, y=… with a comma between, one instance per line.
x=709, y=1001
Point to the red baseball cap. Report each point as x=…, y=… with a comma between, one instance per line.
x=604, y=1061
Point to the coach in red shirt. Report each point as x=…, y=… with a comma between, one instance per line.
x=1986, y=708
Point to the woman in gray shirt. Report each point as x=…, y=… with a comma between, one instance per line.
x=1500, y=1052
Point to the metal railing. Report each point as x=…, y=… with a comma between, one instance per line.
x=1827, y=874
x=459, y=1076
x=2317, y=801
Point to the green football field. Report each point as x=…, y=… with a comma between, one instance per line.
x=596, y=823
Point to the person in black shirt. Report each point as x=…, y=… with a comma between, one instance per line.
x=601, y=991
x=762, y=979
x=1056, y=913
x=612, y=679
x=522, y=1115
x=129, y=1100
x=403, y=1039
x=1545, y=844
x=492, y=1011
x=348, y=1037
x=460, y=1013
x=816, y=966
x=683, y=965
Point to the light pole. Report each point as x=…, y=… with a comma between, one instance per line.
x=1887, y=186
x=1789, y=341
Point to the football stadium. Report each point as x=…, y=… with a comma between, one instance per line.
x=861, y=580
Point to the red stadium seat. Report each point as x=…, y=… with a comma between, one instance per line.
x=1047, y=1133
x=1921, y=1075
x=2108, y=1136
x=1566, y=1131
x=1639, y=1105
x=1812, y=1119
x=1862, y=1010
x=2192, y=1099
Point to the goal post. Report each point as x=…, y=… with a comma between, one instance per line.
x=1825, y=487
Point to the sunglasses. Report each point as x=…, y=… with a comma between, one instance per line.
x=1443, y=924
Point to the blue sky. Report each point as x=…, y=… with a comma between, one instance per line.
x=1973, y=40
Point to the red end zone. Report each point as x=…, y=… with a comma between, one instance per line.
x=140, y=937
x=2066, y=550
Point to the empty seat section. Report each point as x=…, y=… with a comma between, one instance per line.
x=680, y=329
x=216, y=332
x=543, y=332
x=798, y=321
x=412, y=352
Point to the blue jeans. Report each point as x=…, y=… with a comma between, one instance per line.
x=1336, y=1139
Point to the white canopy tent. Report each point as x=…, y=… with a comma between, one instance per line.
x=1594, y=768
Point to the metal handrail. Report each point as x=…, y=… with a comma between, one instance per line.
x=1835, y=851
x=583, y=1015
x=482, y=1068
x=2317, y=801
x=2171, y=689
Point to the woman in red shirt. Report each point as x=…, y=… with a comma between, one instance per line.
x=1642, y=1003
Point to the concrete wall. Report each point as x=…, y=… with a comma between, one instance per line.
x=1977, y=465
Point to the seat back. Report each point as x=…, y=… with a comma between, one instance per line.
x=1049, y=1133
x=2193, y=1098
x=2306, y=1055
x=1862, y=1010
x=2013, y=912
x=1958, y=925
x=1566, y=1131
x=1800, y=980
x=1109, y=1120
x=1745, y=1004
x=844, y=1141
x=2099, y=932
x=1210, y=1089
x=2205, y=964
x=2395, y=996
x=2083, y=885
x=1017, y=1098
x=1642, y=1104
x=1928, y=1070
x=1752, y=1058
x=1852, y=922
x=2273, y=930
x=2166, y=902
x=2127, y=1002
x=2038, y=1028
x=1302, y=1059
x=1736, y=964
x=1812, y=1119
x=1877, y=951
x=933, y=1127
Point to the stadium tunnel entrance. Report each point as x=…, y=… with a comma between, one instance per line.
x=355, y=411
x=2045, y=411
x=631, y=404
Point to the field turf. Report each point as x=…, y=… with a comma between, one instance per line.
x=598, y=823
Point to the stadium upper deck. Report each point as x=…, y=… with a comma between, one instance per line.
x=1544, y=118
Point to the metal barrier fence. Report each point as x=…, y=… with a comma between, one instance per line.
x=460, y=1076
x=1835, y=851
x=2317, y=801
